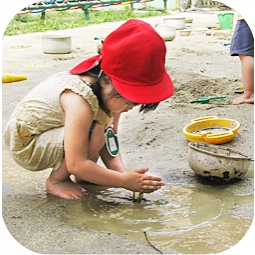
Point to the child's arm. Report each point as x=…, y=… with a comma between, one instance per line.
x=78, y=118
x=110, y=162
x=115, y=163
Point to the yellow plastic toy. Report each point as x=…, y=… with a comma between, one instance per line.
x=211, y=129
x=9, y=77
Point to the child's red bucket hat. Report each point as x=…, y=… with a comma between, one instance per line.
x=133, y=56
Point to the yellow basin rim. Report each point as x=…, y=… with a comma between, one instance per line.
x=211, y=122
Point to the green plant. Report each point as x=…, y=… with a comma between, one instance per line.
x=58, y=20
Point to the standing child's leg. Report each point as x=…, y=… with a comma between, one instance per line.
x=248, y=80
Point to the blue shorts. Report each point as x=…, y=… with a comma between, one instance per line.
x=242, y=41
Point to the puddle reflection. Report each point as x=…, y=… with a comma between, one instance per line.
x=185, y=218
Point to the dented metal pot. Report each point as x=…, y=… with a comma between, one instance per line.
x=217, y=163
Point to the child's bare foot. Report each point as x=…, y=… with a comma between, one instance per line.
x=249, y=100
x=238, y=100
x=65, y=189
x=242, y=99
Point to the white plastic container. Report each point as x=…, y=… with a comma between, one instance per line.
x=56, y=44
x=188, y=20
x=177, y=22
x=167, y=33
x=185, y=32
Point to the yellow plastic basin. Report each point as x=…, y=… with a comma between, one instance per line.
x=211, y=129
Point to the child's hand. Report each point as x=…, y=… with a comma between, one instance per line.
x=136, y=180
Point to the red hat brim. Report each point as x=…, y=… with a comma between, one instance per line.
x=145, y=94
x=86, y=65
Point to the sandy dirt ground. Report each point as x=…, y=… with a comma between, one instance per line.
x=198, y=65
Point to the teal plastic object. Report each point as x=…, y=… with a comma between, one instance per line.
x=112, y=143
x=205, y=100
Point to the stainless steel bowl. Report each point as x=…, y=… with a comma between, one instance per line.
x=216, y=162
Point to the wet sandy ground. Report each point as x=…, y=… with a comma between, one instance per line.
x=199, y=66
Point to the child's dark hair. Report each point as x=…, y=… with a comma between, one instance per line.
x=97, y=73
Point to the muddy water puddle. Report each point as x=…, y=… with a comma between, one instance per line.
x=212, y=130
x=187, y=218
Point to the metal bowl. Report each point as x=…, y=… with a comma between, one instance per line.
x=217, y=163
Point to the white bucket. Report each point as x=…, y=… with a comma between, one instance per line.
x=56, y=44
x=167, y=33
x=177, y=22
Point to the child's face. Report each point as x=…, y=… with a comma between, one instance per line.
x=119, y=105
x=115, y=104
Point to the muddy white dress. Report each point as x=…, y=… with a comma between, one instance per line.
x=34, y=133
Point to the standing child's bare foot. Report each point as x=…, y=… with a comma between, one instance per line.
x=249, y=100
x=242, y=99
x=238, y=100
x=65, y=189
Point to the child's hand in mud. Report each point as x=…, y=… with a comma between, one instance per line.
x=136, y=180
